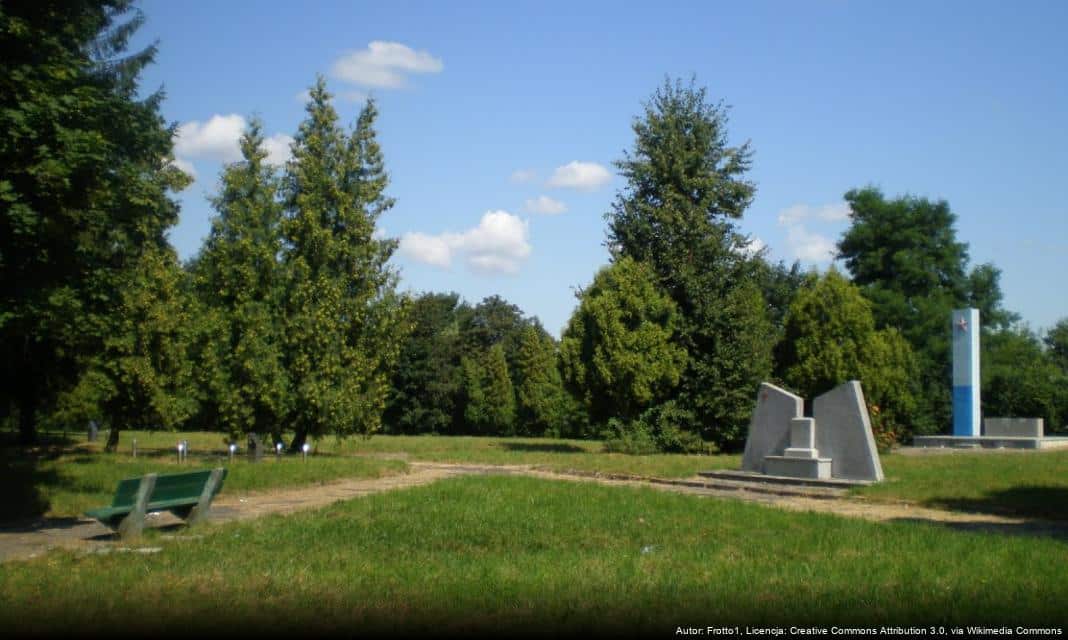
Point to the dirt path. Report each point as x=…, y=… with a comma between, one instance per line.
x=34, y=538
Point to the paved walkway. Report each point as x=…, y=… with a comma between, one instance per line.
x=34, y=538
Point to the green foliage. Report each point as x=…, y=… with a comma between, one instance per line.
x=684, y=187
x=426, y=390
x=344, y=320
x=617, y=353
x=1021, y=379
x=238, y=279
x=541, y=403
x=490, y=405
x=142, y=377
x=84, y=190
x=830, y=338
x=1056, y=341
x=661, y=428
x=904, y=255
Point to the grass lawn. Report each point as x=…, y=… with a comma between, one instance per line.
x=65, y=482
x=1024, y=483
x=498, y=553
x=71, y=478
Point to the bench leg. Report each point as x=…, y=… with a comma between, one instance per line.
x=200, y=511
x=134, y=522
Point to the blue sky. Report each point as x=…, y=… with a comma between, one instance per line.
x=500, y=121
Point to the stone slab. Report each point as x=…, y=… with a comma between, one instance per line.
x=984, y=442
x=844, y=434
x=749, y=476
x=1014, y=427
x=769, y=428
x=803, y=433
x=816, y=468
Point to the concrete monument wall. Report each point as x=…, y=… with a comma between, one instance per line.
x=769, y=428
x=843, y=433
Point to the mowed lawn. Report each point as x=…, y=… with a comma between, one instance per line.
x=1017, y=483
x=64, y=481
x=495, y=553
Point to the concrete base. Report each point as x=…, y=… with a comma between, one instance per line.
x=989, y=442
x=1014, y=427
x=818, y=468
x=749, y=476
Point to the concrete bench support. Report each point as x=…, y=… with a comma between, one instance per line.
x=134, y=522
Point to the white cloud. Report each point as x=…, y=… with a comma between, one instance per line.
x=432, y=250
x=303, y=96
x=186, y=166
x=219, y=139
x=523, y=175
x=499, y=244
x=215, y=139
x=806, y=245
x=545, y=205
x=827, y=213
x=586, y=176
x=278, y=149
x=809, y=247
x=384, y=64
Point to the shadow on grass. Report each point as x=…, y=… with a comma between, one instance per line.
x=548, y=447
x=22, y=478
x=1054, y=530
x=39, y=524
x=1048, y=503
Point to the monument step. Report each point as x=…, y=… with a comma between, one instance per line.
x=838, y=484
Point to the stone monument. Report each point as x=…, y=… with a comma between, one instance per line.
x=966, y=372
x=1016, y=433
x=836, y=443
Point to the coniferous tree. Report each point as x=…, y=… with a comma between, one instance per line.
x=685, y=186
x=239, y=280
x=85, y=176
x=344, y=320
x=540, y=403
x=830, y=338
x=618, y=354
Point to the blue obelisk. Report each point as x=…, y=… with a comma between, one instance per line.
x=966, y=372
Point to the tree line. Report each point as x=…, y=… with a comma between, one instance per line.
x=289, y=320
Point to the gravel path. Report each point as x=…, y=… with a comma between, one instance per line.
x=34, y=538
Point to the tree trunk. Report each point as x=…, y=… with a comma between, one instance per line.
x=299, y=438
x=113, y=440
x=27, y=403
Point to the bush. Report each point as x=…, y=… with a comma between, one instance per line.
x=660, y=429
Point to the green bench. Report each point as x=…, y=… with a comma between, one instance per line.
x=186, y=495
